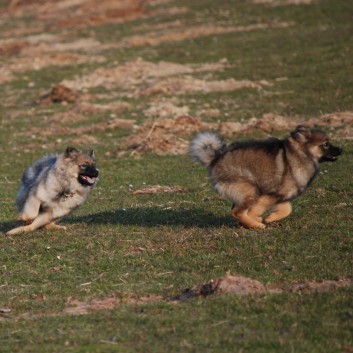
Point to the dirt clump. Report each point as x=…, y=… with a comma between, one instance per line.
x=226, y=284
x=59, y=94
x=13, y=47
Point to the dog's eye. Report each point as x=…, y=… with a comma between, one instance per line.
x=83, y=166
x=326, y=145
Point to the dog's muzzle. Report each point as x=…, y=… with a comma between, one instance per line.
x=89, y=176
x=332, y=154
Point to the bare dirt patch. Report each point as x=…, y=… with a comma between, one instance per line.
x=84, y=141
x=76, y=307
x=171, y=136
x=140, y=78
x=239, y=285
x=336, y=120
x=283, y=2
x=188, y=84
x=157, y=189
x=165, y=109
x=40, y=45
x=12, y=47
x=57, y=59
x=6, y=75
x=178, y=35
x=71, y=14
x=66, y=118
x=92, y=108
x=22, y=64
x=137, y=72
x=82, y=12
x=112, y=124
x=59, y=124
x=165, y=136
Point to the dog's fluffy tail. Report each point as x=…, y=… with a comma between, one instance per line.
x=204, y=146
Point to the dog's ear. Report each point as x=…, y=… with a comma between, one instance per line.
x=301, y=134
x=92, y=154
x=71, y=152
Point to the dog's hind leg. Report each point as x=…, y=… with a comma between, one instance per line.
x=30, y=209
x=53, y=225
x=40, y=221
x=261, y=206
x=244, y=195
x=241, y=214
x=281, y=210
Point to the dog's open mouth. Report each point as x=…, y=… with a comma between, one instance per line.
x=328, y=159
x=86, y=180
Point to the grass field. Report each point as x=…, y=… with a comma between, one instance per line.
x=136, y=253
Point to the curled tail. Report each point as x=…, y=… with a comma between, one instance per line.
x=31, y=176
x=204, y=146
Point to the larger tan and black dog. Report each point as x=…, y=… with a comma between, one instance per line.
x=54, y=186
x=263, y=175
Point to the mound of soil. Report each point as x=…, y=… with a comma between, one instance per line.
x=240, y=285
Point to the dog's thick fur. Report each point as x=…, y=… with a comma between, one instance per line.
x=263, y=175
x=54, y=186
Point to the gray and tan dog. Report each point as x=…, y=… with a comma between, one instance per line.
x=54, y=186
x=258, y=176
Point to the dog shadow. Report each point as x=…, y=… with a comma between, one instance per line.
x=6, y=226
x=154, y=217
x=146, y=217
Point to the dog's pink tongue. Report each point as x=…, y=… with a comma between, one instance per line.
x=90, y=180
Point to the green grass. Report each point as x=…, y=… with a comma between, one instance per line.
x=265, y=324
x=164, y=243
